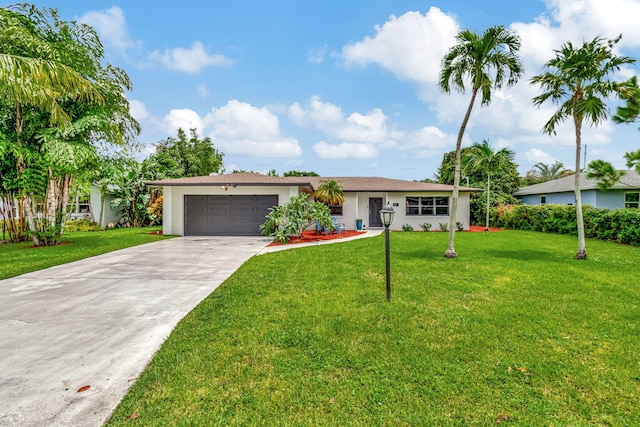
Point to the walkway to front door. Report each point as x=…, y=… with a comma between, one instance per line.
x=375, y=204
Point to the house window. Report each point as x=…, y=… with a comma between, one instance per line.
x=543, y=200
x=424, y=206
x=632, y=200
x=335, y=210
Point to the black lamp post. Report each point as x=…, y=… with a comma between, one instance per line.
x=386, y=215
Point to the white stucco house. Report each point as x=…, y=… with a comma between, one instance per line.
x=237, y=203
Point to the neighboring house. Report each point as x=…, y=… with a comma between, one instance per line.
x=624, y=194
x=236, y=204
x=109, y=215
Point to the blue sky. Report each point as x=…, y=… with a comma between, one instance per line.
x=345, y=88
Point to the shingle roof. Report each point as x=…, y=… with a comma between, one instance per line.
x=239, y=178
x=356, y=183
x=630, y=180
x=349, y=184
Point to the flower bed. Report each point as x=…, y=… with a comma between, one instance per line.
x=311, y=236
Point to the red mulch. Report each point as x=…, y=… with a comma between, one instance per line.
x=476, y=228
x=311, y=236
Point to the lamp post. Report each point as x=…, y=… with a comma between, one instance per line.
x=386, y=215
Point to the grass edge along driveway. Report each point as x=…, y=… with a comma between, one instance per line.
x=21, y=258
x=513, y=331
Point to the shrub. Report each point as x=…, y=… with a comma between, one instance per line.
x=81, y=225
x=443, y=226
x=292, y=218
x=426, y=226
x=407, y=227
x=619, y=225
x=459, y=226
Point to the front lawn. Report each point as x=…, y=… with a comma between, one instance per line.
x=514, y=331
x=23, y=258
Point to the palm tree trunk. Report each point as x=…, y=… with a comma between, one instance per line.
x=486, y=226
x=582, y=249
x=451, y=252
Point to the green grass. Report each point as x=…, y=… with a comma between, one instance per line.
x=514, y=331
x=23, y=258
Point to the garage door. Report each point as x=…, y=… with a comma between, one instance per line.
x=226, y=215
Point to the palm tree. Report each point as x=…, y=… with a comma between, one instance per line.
x=578, y=81
x=482, y=157
x=631, y=94
x=487, y=61
x=542, y=172
x=330, y=192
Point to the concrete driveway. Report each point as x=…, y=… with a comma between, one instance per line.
x=97, y=323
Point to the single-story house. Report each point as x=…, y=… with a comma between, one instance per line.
x=624, y=194
x=99, y=203
x=237, y=203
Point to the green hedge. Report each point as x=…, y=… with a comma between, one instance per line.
x=619, y=225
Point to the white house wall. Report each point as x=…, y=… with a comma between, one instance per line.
x=398, y=202
x=173, y=203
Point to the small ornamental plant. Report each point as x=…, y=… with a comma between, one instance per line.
x=426, y=226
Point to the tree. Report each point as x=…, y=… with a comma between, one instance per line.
x=183, y=157
x=329, y=192
x=487, y=61
x=300, y=173
x=67, y=104
x=482, y=157
x=578, y=81
x=633, y=159
x=542, y=172
x=631, y=94
x=504, y=181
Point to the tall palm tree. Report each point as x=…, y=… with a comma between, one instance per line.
x=329, y=191
x=486, y=62
x=578, y=81
x=482, y=157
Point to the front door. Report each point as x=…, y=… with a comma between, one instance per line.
x=375, y=204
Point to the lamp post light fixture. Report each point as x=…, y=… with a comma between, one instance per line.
x=386, y=215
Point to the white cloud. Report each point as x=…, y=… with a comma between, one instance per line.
x=190, y=60
x=203, y=90
x=317, y=55
x=370, y=128
x=344, y=150
x=184, y=119
x=241, y=128
x=138, y=110
x=411, y=46
x=111, y=26
x=535, y=155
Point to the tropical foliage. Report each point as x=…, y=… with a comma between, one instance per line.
x=505, y=179
x=329, y=192
x=487, y=61
x=482, y=157
x=542, y=172
x=60, y=104
x=181, y=156
x=293, y=217
x=619, y=225
x=578, y=80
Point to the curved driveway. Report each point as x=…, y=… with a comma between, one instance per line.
x=97, y=322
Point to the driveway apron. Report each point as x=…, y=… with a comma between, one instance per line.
x=73, y=338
